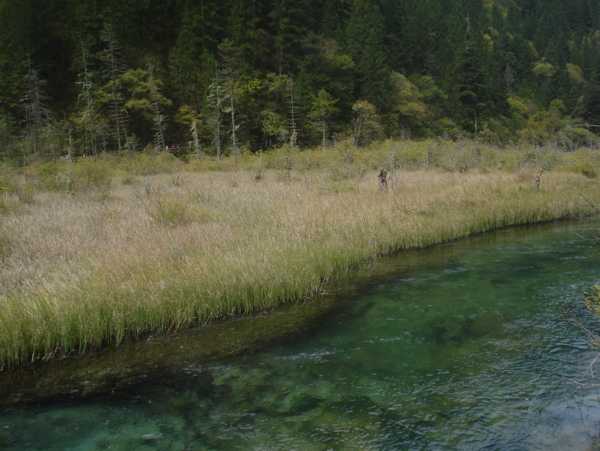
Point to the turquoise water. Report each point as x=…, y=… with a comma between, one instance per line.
x=476, y=344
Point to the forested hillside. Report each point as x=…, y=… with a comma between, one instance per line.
x=219, y=76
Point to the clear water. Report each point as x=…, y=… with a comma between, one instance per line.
x=471, y=345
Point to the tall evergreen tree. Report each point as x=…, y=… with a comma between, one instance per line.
x=192, y=56
x=364, y=39
x=86, y=96
x=36, y=109
x=471, y=87
x=111, y=94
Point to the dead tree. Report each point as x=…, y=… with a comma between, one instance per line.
x=538, y=179
x=383, y=188
x=215, y=99
x=87, y=88
x=159, y=119
x=113, y=70
x=230, y=58
x=293, y=122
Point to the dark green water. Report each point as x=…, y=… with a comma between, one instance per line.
x=470, y=345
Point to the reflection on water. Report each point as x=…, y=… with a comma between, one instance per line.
x=470, y=345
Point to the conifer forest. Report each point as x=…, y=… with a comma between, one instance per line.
x=225, y=76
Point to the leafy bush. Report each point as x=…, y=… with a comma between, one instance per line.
x=128, y=179
x=52, y=176
x=6, y=182
x=583, y=162
x=4, y=243
x=93, y=173
x=173, y=211
x=592, y=299
x=152, y=162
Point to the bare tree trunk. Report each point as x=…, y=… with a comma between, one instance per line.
x=233, y=123
x=215, y=99
x=538, y=179
x=196, y=140
x=118, y=125
x=293, y=125
x=159, y=118
x=70, y=189
x=86, y=91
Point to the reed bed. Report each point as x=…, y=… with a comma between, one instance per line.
x=165, y=252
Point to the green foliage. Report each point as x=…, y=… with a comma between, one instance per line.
x=52, y=176
x=544, y=69
x=409, y=113
x=583, y=162
x=91, y=173
x=322, y=110
x=144, y=103
x=174, y=211
x=152, y=162
x=592, y=299
x=6, y=179
x=4, y=241
x=364, y=38
x=366, y=124
x=119, y=75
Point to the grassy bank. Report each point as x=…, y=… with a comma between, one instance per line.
x=165, y=251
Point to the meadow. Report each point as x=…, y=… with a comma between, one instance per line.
x=109, y=248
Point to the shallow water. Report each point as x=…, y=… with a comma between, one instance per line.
x=476, y=344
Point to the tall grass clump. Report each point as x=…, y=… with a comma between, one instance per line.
x=78, y=273
x=592, y=299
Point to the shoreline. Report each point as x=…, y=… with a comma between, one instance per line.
x=220, y=246
x=112, y=370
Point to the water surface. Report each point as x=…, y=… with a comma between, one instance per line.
x=476, y=344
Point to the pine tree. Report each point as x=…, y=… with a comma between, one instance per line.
x=111, y=94
x=366, y=126
x=323, y=107
x=472, y=90
x=145, y=104
x=291, y=23
x=87, y=96
x=159, y=119
x=192, y=56
x=364, y=39
x=36, y=109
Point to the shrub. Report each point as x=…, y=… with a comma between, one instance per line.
x=414, y=153
x=6, y=182
x=52, y=176
x=4, y=245
x=582, y=162
x=92, y=173
x=128, y=179
x=592, y=299
x=173, y=211
x=152, y=162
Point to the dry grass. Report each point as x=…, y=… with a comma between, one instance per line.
x=164, y=252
